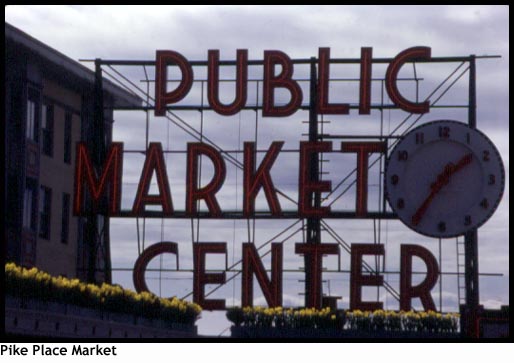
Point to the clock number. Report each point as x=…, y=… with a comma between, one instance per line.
x=420, y=138
x=486, y=155
x=467, y=220
x=441, y=227
x=492, y=179
x=444, y=132
x=394, y=179
x=403, y=155
x=484, y=203
x=400, y=204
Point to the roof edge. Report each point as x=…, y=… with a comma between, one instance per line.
x=120, y=95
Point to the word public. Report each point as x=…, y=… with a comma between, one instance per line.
x=284, y=80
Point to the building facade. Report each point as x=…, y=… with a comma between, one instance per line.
x=49, y=107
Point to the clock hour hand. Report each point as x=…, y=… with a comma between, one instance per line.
x=442, y=179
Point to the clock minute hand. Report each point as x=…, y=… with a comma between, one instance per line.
x=416, y=218
x=442, y=179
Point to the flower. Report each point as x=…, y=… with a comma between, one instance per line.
x=33, y=283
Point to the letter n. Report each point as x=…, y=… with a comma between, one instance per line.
x=252, y=264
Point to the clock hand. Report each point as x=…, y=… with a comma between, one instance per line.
x=450, y=169
x=442, y=179
x=416, y=218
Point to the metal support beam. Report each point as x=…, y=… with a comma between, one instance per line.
x=313, y=224
x=471, y=238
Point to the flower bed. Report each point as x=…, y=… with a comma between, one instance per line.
x=278, y=317
x=278, y=322
x=410, y=321
x=35, y=284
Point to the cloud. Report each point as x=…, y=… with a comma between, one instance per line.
x=130, y=32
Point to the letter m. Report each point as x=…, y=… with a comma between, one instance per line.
x=86, y=175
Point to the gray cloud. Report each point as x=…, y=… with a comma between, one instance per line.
x=130, y=32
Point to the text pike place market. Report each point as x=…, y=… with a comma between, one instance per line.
x=103, y=183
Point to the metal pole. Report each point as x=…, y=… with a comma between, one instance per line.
x=96, y=141
x=471, y=238
x=313, y=224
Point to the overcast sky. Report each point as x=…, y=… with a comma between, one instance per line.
x=129, y=32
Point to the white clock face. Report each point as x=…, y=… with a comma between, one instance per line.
x=443, y=179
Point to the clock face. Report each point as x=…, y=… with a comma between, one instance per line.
x=443, y=179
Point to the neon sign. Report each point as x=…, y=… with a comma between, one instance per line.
x=103, y=184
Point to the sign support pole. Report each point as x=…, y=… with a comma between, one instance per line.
x=313, y=223
x=471, y=238
x=94, y=238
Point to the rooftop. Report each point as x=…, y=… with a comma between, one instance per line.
x=80, y=73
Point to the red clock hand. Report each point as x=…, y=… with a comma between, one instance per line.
x=442, y=179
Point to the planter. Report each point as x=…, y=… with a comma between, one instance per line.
x=121, y=318
x=311, y=333
x=84, y=312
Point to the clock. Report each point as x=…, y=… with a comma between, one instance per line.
x=444, y=179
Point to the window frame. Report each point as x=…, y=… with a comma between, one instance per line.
x=29, y=220
x=32, y=116
x=68, y=122
x=47, y=129
x=45, y=212
x=65, y=217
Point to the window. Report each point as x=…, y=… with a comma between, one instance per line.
x=32, y=125
x=45, y=206
x=67, y=137
x=29, y=205
x=47, y=129
x=65, y=220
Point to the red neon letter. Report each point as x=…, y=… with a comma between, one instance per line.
x=253, y=181
x=407, y=291
x=241, y=83
x=323, y=88
x=283, y=80
x=112, y=171
x=193, y=192
x=365, y=84
x=357, y=279
x=410, y=54
x=154, y=161
x=162, y=59
x=201, y=278
x=252, y=264
x=144, y=258
x=362, y=149
x=314, y=252
x=307, y=186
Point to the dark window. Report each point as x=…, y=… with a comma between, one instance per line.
x=67, y=137
x=47, y=130
x=45, y=207
x=65, y=220
x=32, y=121
x=29, y=205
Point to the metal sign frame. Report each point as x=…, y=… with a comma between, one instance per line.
x=314, y=225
